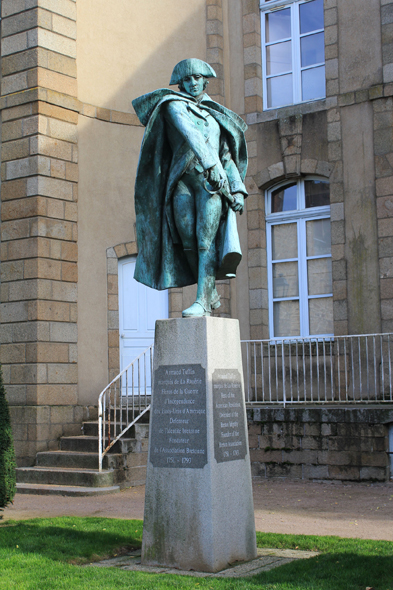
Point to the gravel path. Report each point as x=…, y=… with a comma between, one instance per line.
x=281, y=506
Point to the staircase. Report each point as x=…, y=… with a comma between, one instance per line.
x=73, y=469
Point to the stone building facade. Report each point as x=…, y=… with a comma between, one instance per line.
x=70, y=145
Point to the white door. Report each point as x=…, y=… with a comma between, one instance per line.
x=139, y=308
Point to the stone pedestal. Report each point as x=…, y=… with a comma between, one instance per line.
x=198, y=508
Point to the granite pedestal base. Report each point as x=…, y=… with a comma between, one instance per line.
x=198, y=507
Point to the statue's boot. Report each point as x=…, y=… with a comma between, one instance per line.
x=215, y=302
x=192, y=259
x=196, y=310
x=206, y=286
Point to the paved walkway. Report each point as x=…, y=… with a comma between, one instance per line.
x=281, y=506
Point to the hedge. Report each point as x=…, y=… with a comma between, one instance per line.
x=7, y=453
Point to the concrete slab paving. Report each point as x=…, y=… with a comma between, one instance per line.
x=267, y=559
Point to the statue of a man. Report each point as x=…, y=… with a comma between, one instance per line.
x=189, y=184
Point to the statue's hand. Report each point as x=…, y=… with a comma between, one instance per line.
x=238, y=202
x=214, y=177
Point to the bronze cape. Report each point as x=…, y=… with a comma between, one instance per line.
x=161, y=262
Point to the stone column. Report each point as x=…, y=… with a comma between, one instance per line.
x=39, y=174
x=252, y=59
x=216, y=89
x=383, y=151
x=215, y=48
x=354, y=225
x=255, y=204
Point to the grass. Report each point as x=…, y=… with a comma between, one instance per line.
x=45, y=554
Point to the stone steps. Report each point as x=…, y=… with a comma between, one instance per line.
x=82, y=444
x=137, y=475
x=137, y=431
x=77, y=460
x=73, y=469
x=128, y=415
x=48, y=490
x=65, y=476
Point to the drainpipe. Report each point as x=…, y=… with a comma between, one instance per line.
x=391, y=449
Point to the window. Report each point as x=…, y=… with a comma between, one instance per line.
x=299, y=259
x=293, y=51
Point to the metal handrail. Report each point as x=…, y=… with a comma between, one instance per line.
x=328, y=370
x=122, y=397
x=319, y=370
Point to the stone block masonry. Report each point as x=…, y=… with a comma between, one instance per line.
x=383, y=154
x=345, y=444
x=216, y=89
x=38, y=428
x=39, y=249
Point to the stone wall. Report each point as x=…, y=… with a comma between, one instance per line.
x=345, y=444
x=39, y=253
x=319, y=138
x=38, y=428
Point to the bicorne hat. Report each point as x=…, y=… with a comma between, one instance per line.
x=188, y=67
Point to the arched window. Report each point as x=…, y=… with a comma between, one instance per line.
x=299, y=259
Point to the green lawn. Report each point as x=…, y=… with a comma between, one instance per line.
x=44, y=554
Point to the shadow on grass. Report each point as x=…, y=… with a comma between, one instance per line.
x=71, y=539
x=33, y=553
x=333, y=571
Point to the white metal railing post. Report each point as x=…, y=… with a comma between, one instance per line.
x=284, y=393
x=100, y=445
x=120, y=428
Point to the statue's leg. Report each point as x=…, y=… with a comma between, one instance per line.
x=208, y=219
x=208, y=212
x=185, y=218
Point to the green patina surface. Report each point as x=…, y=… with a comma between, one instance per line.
x=192, y=165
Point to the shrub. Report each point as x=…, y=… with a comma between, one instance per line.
x=7, y=454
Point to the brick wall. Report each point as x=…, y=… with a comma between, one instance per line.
x=320, y=444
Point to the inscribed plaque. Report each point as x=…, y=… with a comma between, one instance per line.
x=178, y=427
x=230, y=441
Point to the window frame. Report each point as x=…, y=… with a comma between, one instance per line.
x=273, y=6
x=300, y=216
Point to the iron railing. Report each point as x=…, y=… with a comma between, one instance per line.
x=339, y=370
x=124, y=401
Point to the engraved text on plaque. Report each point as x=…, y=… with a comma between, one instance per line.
x=230, y=441
x=178, y=429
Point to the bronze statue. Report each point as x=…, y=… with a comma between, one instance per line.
x=189, y=185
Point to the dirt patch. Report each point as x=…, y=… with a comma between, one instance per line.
x=363, y=511
x=353, y=510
